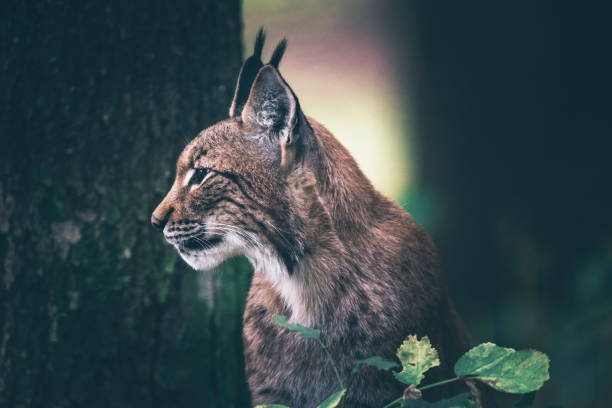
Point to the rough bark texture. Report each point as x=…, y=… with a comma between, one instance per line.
x=98, y=99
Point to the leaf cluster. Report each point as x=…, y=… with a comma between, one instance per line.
x=504, y=369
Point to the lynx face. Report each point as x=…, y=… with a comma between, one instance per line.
x=231, y=195
x=228, y=197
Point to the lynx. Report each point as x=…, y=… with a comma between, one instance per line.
x=327, y=250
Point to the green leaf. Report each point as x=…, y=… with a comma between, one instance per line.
x=375, y=361
x=458, y=401
x=303, y=331
x=333, y=400
x=505, y=369
x=271, y=406
x=417, y=356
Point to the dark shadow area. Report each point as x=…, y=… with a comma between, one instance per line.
x=512, y=112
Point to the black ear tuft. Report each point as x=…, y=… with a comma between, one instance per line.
x=259, y=43
x=247, y=75
x=278, y=53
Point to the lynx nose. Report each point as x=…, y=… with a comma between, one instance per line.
x=161, y=215
x=157, y=223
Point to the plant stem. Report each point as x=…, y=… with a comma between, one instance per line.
x=441, y=382
x=392, y=403
x=331, y=360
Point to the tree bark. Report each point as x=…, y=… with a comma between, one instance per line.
x=98, y=99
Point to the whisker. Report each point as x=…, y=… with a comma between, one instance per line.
x=281, y=232
x=202, y=243
x=246, y=235
x=241, y=234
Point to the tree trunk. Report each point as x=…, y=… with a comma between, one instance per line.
x=98, y=99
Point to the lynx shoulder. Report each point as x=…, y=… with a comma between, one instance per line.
x=327, y=249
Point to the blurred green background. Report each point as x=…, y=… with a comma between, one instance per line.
x=489, y=122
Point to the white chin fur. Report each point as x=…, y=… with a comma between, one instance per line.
x=207, y=259
x=264, y=261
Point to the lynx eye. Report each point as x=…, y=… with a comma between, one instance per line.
x=198, y=176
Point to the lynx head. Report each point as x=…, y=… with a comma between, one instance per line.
x=234, y=190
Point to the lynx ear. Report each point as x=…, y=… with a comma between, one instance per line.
x=247, y=75
x=273, y=107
